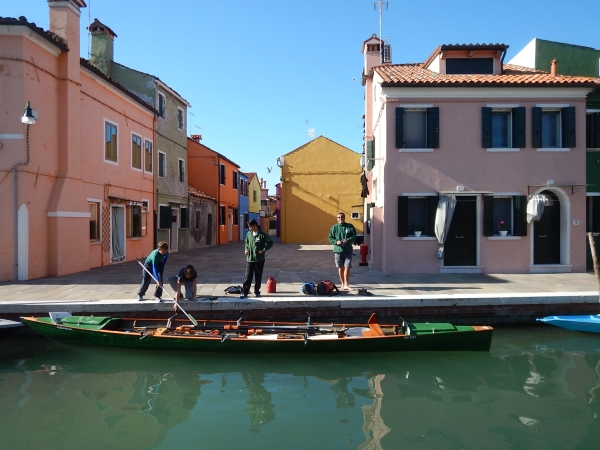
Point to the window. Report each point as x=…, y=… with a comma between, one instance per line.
x=136, y=152
x=263, y=203
x=180, y=118
x=509, y=209
x=162, y=103
x=94, y=221
x=466, y=66
x=181, y=170
x=593, y=214
x=136, y=221
x=185, y=217
x=502, y=127
x=246, y=220
x=553, y=127
x=254, y=196
x=110, y=142
x=235, y=180
x=222, y=174
x=164, y=217
x=416, y=214
x=235, y=216
x=222, y=217
x=148, y=156
x=417, y=128
x=592, y=130
x=370, y=154
x=162, y=164
x=197, y=227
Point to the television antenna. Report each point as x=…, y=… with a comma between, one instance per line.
x=310, y=132
x=381, y=5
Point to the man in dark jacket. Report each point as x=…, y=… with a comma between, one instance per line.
x=256, y=244
x=342, y=236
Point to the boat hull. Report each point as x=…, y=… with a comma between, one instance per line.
x=463, y=339
x=584, y=324
x=8, y=328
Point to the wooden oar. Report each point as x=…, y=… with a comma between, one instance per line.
x=194, y=321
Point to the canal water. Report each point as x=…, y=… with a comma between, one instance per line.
x=538, y=388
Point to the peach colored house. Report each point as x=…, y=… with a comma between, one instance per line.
x=218, y=177
x=473, y=165
x=72, y=182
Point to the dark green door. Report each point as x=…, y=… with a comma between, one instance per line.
x=460, y=248
x=546, y=233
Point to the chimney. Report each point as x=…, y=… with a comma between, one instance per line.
x=372, y=51
x=102, y=46
x=554, y=67
x=196, y=137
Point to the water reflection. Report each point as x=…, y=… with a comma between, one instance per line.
x=536, y=389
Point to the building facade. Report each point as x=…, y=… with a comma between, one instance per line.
x=243, y=203
x=474, y=165
x=76, y=202
x=319, y=179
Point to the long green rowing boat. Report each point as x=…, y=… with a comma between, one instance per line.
x=258, y=337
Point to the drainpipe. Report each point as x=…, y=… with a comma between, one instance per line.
x=218, y=227
x=16, y=244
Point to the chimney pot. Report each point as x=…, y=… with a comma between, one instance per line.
x=554, y=68
x=196, y=137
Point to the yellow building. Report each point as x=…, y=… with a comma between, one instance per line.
x=318, y=180
x=253, y=194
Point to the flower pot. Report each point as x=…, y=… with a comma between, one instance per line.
x=417, y=233
x=503, y=232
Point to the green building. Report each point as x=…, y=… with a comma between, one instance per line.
x=166, y=162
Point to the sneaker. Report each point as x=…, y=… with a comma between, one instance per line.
x=242, y=295
x=257, y=294
x=140, y=298
x=159, y=300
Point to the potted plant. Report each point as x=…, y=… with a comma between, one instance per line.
x=418, y=229
x=502, y=228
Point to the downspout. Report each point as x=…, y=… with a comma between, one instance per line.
x=154, y=177
x=218, y=227
x=16, y=243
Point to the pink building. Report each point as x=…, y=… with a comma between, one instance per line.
x=83, y=172
x=459, y=149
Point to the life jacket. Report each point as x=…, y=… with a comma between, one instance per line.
x=327, y=288
x=271, y=285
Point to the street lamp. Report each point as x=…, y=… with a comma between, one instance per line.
x=28, y=117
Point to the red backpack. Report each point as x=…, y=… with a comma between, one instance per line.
x=271, y=285
x=327, y=288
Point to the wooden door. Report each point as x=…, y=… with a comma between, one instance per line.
x=546, y=233
x=460, y=248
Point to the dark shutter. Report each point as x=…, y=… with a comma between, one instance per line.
x=596, y=130
x=518, y=126
x=432, y=203
x=433, y=127
x=185, y=218
x=536, y=127
x=488, y=215
x=399, y=127
x=568, y=127
x=370, y=154
x=486, y=127
x=402, y=216
x=520, y=215
x=595, y=214
x=164, y=220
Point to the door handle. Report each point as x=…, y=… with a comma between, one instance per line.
x=458, y=237
x=542, y=235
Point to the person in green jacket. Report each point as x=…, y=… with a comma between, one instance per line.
x=342, y=236
x=155, y=264
x=257, y=242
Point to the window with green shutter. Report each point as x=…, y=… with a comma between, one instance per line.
x=592, y=130
x=370, y=154
x=416, y=214
x=417, y=128
x=502, y=127
x=504, y=212
x=164, y=217
x=185, y=218
x=553, y=127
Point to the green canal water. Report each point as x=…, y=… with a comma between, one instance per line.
x=538, y=388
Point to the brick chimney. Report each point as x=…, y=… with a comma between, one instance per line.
x=371, y=50
x=103, y=39
x=554, y=67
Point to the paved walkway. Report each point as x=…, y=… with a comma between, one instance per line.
x=114, y=287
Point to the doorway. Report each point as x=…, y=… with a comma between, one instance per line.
x=117, y=233
x=546, y=232
x=209, y=231
x=229, y=224
x=460, y=248
x=174, y=229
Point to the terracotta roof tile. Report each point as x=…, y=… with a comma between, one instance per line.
x=416, y=75
x=48, y=35
x=199, y=194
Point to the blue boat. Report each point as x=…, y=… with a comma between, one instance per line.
x=585, y=324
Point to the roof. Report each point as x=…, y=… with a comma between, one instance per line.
x=196, y=193
x=214, y=151
x=88, y=65
x=96, y=25
x=48, y=35
x=414, y=75
x=449, y=47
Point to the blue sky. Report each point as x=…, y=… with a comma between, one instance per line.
x=256, y=71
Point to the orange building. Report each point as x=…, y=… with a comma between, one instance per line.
x=218, y=177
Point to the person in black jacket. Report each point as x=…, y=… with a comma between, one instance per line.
x=257, y=242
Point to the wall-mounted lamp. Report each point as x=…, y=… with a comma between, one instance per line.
x=28, y=116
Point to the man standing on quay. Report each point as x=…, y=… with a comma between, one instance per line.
x=256, y=244
x=342, y=236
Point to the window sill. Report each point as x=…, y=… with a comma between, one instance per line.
x=416, y=150
x=135, y=238
x=553, y=149
x=502, y=149
x=95, y=242
x=504, y=238
x=420, y=238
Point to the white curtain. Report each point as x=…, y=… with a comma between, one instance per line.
x=443, y=219
x=535, y=207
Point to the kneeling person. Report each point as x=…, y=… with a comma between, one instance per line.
x=187, y=277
